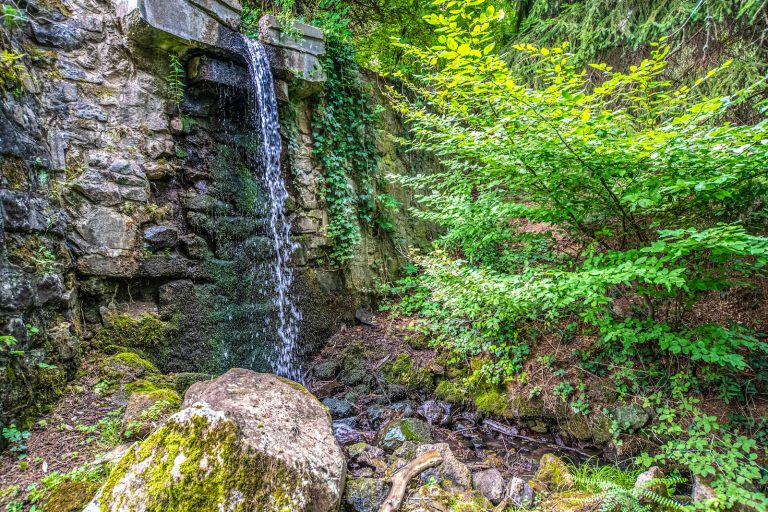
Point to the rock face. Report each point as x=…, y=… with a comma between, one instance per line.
x=245, y=441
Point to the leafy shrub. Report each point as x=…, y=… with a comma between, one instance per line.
x=630, y=200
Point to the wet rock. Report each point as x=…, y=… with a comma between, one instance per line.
x=702, y=490
x=58, y=35
x=161, y=237
x=16, y=290
x=364, y=316
x=519, y=493
x=647, y=482
x=630, y=416
x=338, y=408
x=366, y=494
x=356, y=377
x=375, y=413
x=346, y=434
x=195, y=247
x=395, y=433
x=327, y=389
x=451, y=469
x=396, y=391
x=553, y=474
x=50, y=290
x=365, y=455
x=436, y=412
x=204, y=456
x=170, y=267
x=326, y=370
x=406, y=408
x=490, y=484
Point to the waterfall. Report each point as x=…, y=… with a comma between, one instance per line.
x=284, y=360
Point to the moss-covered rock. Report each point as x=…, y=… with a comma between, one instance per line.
x=404, y=371
x=397, y=432
x=491, y=401
x=453, y=391
x=148, y=334
x=326, y=370
x=145, y=410
x=70, y=496
x=365, y=494
x=127, y=367
x=553, y=475
x=250, y=442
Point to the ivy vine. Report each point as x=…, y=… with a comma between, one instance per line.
x=344, y=134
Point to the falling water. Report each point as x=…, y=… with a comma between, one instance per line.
x=284, y=361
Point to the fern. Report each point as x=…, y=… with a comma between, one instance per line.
x=623, y=496
x=176, y=81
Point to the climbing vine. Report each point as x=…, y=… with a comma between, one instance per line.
x=344, y=143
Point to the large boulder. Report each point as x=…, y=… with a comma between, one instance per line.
x=244, y=441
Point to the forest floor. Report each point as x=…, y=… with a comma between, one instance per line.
x=83, y=424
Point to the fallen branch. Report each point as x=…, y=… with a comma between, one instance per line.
x=501, y=507
x=400, y=479
x=511, y=432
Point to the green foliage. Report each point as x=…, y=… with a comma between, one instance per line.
x=701, y=33
x=17, y=439
x=629, y=198
x=344, y=142
x=60, y=491
x=708, y=449
x=621, y=170
x=175, y=81
x=12, y=16
x=615, y=489
x=12, y=73
x=282, y=9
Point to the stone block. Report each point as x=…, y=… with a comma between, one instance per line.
x=171, y=23
x=312, y=40
x=205, y=69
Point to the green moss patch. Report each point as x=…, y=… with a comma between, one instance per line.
x=404, y=371
x=146, y=409
x=148, y=333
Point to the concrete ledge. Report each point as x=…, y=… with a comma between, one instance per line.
x=169, y=24
x=312, y=38
x=211, y=25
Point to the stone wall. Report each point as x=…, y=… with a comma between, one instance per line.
x=131, y=221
